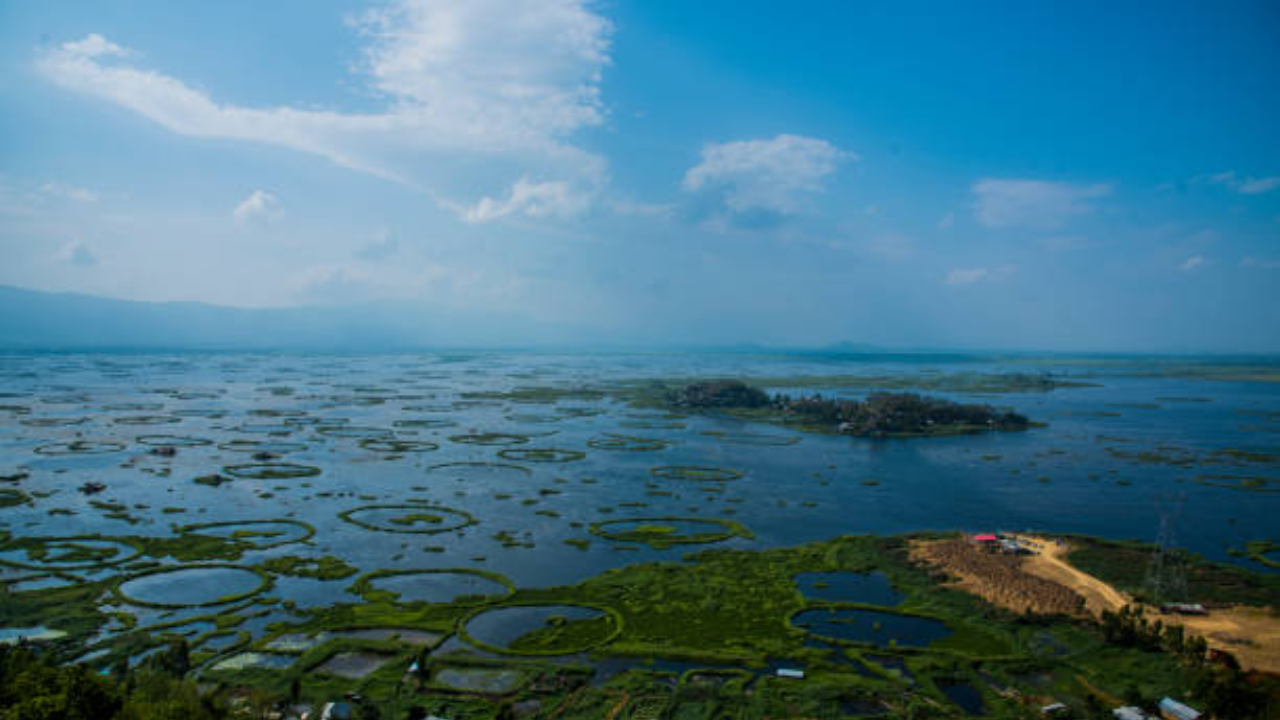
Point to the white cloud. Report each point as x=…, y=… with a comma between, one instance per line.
x=1191, y=263
x=531, y=199
x=505, y=79
x=1004, y=203
x=70, y=192
x=969, y=276
x=947, y=221
x=1257, y=186
x=259, y=204
x=383, y=246
x=772, y=175
x=1250, y=261
x=75, y=253
x=94, y=45
x=1244, y=186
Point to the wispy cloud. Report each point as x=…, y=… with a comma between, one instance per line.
x=531, y=199
x=75, y=253
x=383, y=246
x=1249, y=261
x=1191, y=263
x=970, y=276
x=773, y=175
x=70, y=192
x=1007, y=203
x=500, y=78
x=258, y=206
x=1242, y=185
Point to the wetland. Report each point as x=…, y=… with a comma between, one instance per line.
x=586, y=536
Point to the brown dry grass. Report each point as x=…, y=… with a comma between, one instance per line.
x=998, y=579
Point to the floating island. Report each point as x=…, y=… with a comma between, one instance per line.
x=879, y=415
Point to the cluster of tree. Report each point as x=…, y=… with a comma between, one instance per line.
x=880, y=415
x=34, y=688
x=1223, y=690
x=1130, y=628
x=722, y=394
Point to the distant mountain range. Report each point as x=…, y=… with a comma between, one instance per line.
x=35, y=320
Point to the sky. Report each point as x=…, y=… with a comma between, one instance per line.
x=1031, y=175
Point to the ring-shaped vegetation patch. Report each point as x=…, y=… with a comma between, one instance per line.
x=366, y=586
x=625, y=443
x=541, y=455
x=81, y=447
x=414, y=520
x=438, y=408
x=254, y=533
x=490, y=439
x=534, y=418
x=753, y=438
x=425, y=423
x=1250, y=483
x=695, y=472
x=147, y=420
x=354, y=432
x=271, y=471
x=10, y=497
x=278, y=413
x=391, y=445
x=861, y=624
x=663, y=532
x=558, y=634
x=579, y=412
x=308, y=421
x=656, y=424
x=46, y=422
x=464, y=470
x=132, y=407
x=264, y=428
x=73, y=552
x=210, y=413
x=1260, y=551
x=191, y=584
x=254, y=446
x=173, y=440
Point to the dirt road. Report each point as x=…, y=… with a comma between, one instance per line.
x=1050, y=563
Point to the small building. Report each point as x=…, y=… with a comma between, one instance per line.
x=985, y=538
x=1130, y=712
x=790, y=673
x=1053, y=709
x=1013, y=547
x=1171, y=709
x=1183, y=609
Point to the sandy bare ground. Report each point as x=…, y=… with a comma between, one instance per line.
x=1050, y=563
x=1252, y=635
x=1046, y=583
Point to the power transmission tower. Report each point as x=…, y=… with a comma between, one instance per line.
x=1166, y=574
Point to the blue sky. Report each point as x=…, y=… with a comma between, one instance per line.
x=1076, y=176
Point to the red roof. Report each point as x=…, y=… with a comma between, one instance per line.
x=986, y=537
